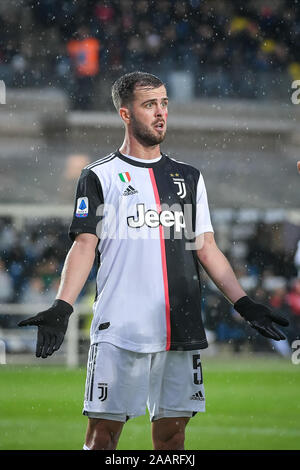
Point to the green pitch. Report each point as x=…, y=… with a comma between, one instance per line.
x=251, y=404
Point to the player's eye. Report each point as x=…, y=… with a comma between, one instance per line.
x=149, y=105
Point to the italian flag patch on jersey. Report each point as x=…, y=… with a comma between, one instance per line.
x=125, y=177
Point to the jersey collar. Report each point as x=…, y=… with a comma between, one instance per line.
x=141, y=163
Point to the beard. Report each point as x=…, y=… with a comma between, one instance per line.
x=144, y=135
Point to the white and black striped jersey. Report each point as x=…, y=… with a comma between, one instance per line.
x=146, y=214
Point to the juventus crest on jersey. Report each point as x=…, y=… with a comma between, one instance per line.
x=146, y=214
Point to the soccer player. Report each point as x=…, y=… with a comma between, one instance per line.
x=146, y=216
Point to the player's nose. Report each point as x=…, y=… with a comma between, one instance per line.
x=158, y=111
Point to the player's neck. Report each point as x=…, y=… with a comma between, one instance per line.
x=136, y=149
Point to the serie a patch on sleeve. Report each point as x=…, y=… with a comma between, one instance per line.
x=82, y=208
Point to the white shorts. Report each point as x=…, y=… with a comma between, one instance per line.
x=120, y=383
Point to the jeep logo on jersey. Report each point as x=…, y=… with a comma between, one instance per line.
x=153, y=219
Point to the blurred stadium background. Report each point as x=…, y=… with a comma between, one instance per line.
x=229, y=68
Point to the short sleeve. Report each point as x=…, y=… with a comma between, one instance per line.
x=203, y=222
x=89, y=197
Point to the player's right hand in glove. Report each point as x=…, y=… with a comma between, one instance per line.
x=52, y=325
x=261, y=318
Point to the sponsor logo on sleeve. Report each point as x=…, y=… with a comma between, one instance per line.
x=82, y=209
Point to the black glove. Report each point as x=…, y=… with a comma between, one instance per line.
x=52, y=325
x=261, y=318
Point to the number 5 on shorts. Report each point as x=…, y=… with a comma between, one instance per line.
x=198, y=378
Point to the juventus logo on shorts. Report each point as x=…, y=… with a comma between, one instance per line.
x=103, y=391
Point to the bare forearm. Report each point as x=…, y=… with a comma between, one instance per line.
x=77, y=267
x=219, y=270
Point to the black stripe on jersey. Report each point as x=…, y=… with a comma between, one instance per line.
x=89, y=372
x=187, y=331
x=93, y=371
x=98, y=261
x=101, y=161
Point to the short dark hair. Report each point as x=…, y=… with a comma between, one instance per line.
x=123, y=88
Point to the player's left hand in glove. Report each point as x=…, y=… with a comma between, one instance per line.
x=52, y=325
x=261, y=318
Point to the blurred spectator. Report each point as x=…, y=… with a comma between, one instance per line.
x=18, y=269
x=6, y=284
x=278, y=299
x=48, y=270
x=278, y=303
x=84, y=53
x=293, y=298
x=220, y=317
x=36, y=293
x=260, y=255
x=8, y=235
x=297, y=258
x=105, y=12
x=272, y=283
x=293, y=301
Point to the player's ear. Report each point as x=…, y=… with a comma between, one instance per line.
x=125, y=115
